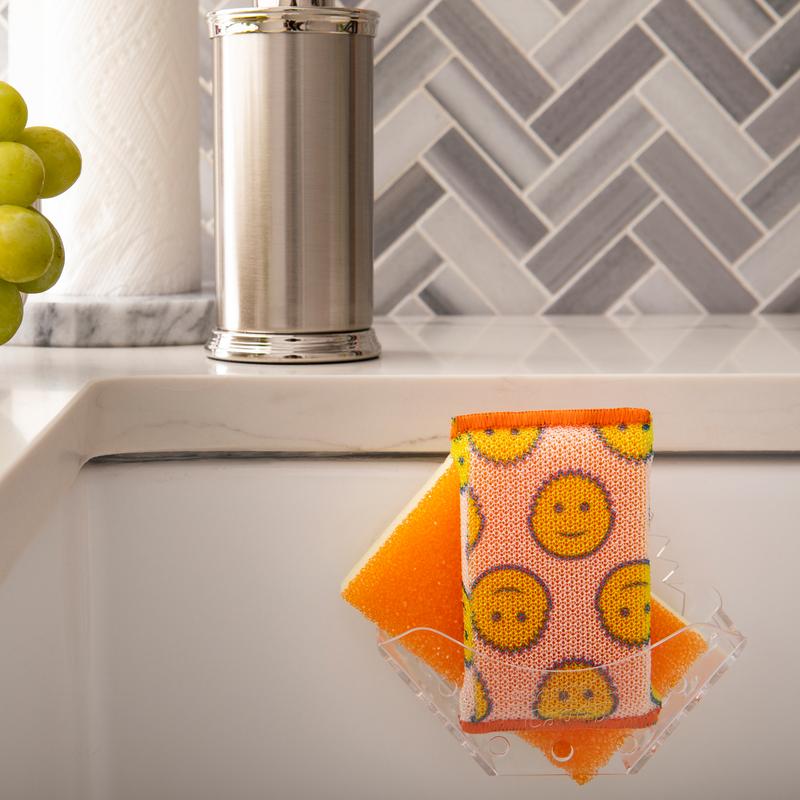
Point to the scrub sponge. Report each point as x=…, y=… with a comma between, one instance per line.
x=411, y=577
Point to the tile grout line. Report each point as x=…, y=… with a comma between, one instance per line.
x=771, y=167
x=694, y=229
x=766, y=105
x=557, y=229
x=782, y=287
x=520, y=267
x=514, y=44
x=712, y=24
x=582, y=139
x=569, y=84
x=769, y=10
x=654, y=267
x=421, y=286
x=595, y=192
x=705, y=170
x=419, y=17
x=613, y=40
x=453, y=193
x=709, y=97
x=457, y=269
x=456, y=124
x=636, y=238
x=603, y=251
x=397, y=243
x=783, y=223
x=677, y=60
x=488, y=86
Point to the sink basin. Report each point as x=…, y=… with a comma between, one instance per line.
x=173, y=630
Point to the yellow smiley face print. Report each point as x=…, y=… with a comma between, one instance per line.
x=459, y=449
x=623, y=602
x=633, y=441
x=510, y=606
x=576, y=689
x=483, y=703
x=475, y=520
x=469, y=630
x=504, y=445
x=571, y=515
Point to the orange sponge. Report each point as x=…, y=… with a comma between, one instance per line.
x=411, y=578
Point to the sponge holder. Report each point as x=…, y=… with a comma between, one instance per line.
x=507, y=754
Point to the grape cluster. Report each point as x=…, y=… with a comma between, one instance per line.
x=35, y=163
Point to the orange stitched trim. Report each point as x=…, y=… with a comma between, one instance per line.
x=642, y=721
x=538, y=419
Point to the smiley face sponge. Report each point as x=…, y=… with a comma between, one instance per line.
x=555, y=577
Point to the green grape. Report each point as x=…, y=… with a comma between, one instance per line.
x=26, y=244
x=10, y=311
x=21, y=175
x=62, y=159
x=53, y=272
x=13, y=113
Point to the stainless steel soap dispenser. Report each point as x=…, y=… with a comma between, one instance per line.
x=293, y=183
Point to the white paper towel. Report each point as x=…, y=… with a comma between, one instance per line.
x=120, y=77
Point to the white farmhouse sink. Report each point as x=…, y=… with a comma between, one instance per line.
x=174, y=630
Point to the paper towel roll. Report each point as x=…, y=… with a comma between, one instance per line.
x=121, y=78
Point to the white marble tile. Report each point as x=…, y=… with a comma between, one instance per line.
x=703, y=126
x=585, y=35
x=527, y=22
x=405, y=135
x=464, y=242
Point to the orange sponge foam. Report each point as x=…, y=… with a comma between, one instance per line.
x=411, y=578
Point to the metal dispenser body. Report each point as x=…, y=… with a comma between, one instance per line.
x=293, y=183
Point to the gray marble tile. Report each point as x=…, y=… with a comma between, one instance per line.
x=405, y=66
x=776, y=260
x=589, y=31
x=783, y=6
x=778, y=192
x=402, y=271
x=502, y=138
x=481, y=42
x=778, y=126
x=682, y=179
x=591, y=229
x=394, y=17
x=489, y=197
x=448, y=294
x=779, y=57
x=703, y=126
x=565, y=6
x=788, y=301
x=405, y=136
x=596, y=291
x=602, y=85
x=660, y=294
x=708, y=57
x=402, y=204
x=603, y=151
x=527, y=22
x=462, y=241
x=692, y=263
x=744, y=22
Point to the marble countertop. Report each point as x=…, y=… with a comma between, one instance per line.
x=721, y=385
x=713, y=383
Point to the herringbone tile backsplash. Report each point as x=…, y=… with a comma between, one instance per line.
x=580, y=156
